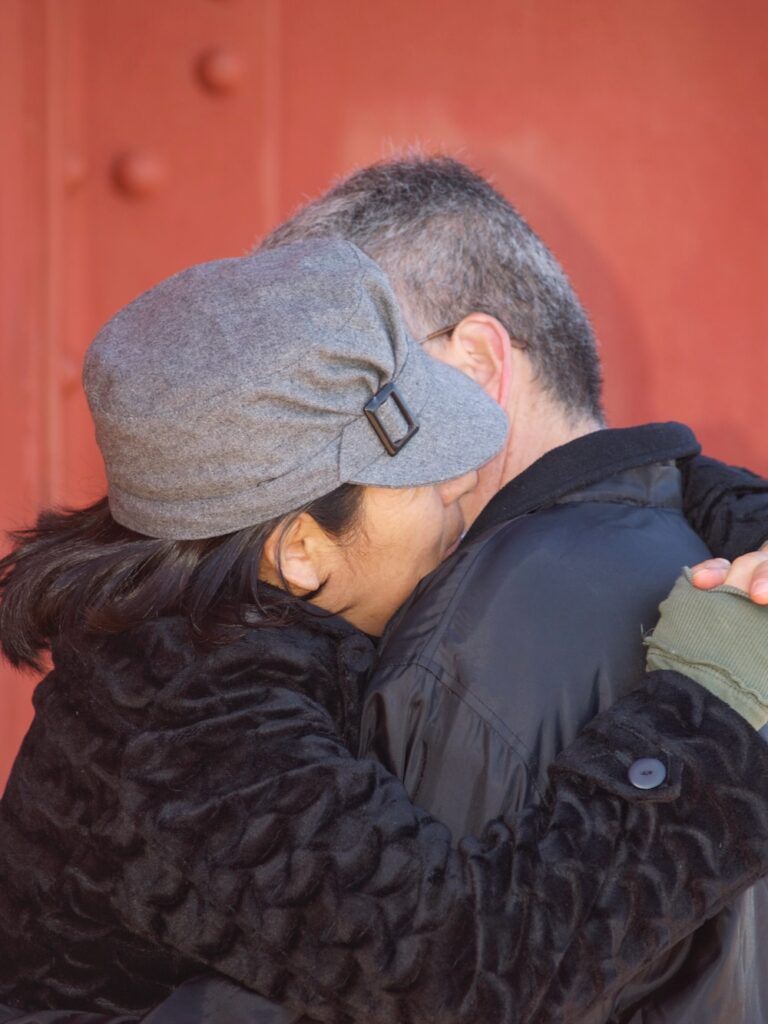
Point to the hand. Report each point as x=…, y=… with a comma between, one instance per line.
x=748, y=573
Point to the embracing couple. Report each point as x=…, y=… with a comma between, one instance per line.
x=233, y=791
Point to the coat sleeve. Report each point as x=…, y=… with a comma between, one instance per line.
x=312, y=879
x=727, y=506
x=9, y=1015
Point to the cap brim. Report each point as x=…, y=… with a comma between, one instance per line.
x=460, y=429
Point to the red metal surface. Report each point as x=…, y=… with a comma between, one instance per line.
x=139, y=137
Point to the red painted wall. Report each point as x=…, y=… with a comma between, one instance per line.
x=633, y=137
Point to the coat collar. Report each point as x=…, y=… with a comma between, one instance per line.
x=583, y=462
x=156, y=675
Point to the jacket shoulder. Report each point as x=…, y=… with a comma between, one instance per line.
x=584, y=564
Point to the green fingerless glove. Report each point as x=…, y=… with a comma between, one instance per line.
x=719, y=638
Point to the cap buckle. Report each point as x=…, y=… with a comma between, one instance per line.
x=371, y=410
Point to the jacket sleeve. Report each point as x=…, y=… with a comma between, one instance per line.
x=320, y=886
x=727, y=506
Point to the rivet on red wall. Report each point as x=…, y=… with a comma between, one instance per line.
x=139, y=173
x=71, y=372
x=73, y=172
x=220, y=70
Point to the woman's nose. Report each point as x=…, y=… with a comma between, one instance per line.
x=452, y=490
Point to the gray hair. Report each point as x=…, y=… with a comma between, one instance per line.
x=452, y=245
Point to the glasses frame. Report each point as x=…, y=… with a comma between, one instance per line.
x=439, y=333
x=433, y=335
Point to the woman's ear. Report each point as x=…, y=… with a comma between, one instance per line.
x=294, y=553
x=480, y=347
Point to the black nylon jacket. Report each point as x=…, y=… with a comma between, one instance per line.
x=173, y=810
x=508, y=650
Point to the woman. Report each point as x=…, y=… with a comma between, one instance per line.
x=283, y=465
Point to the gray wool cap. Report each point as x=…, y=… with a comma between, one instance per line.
x=239, y=390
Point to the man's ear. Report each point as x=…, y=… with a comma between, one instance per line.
x=297, y=550
x=480, y=347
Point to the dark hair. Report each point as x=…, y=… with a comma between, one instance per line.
x=452, y=245
x=82, y=571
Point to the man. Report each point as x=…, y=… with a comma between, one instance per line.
x=504, y=655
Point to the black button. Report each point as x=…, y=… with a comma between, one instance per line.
x=647, y=773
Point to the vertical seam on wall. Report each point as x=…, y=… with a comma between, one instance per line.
x=271, y=92
x=54, y=42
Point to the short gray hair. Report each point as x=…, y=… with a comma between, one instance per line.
x=452, y=245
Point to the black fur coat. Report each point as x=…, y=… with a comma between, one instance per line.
x=173, y=811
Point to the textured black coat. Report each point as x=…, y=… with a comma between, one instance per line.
x=172, y=811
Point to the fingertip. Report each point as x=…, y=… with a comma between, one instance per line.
x=712, y=565
x=709, y=574
x=706, y=580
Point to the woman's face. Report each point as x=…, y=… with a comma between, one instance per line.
x=402, y=535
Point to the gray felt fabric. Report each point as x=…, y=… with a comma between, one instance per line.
x=234, y=392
